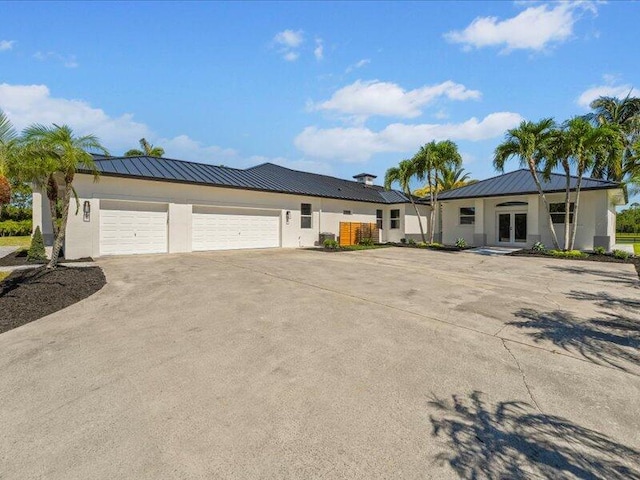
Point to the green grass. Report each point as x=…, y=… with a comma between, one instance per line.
x=636, y=248
x=15, y=241
x=4, y=275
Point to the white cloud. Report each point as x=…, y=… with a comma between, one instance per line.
x=28, y=104
x=318, y=52
x=291, y=56
x=68, y=61
x=366, y=98
x=357, y=65
x=609, y=89
x=356, y=144
x=289, y=38
x=6, y=45
x=532, y=29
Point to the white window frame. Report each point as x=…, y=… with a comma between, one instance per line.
x=466, y=215
x=395, y=219
x=304, y=216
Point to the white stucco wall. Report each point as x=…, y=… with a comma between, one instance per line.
x=179, y=200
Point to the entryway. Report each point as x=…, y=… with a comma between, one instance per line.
x=512, y=228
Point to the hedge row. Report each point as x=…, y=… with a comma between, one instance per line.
x=12, y=228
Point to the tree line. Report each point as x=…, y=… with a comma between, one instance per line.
x=604, y=144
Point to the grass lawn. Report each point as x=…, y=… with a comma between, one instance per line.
x=636, y=248
x=4, y=275
x=15, y=241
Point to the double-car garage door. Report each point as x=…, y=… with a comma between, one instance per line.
x=139, y=227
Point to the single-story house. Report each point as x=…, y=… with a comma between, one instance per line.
x=507, y=210
x=160, y=205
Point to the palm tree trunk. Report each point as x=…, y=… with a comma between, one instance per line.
x=419, y=219
x=57, y=244
x=433, y=206
x=575, y=210
x=567, y=204
x=52, y=196
x=554, y=237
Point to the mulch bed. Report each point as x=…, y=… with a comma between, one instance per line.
x=442, y=248
x=19, y=257
x=27, y=295
x=607, y=258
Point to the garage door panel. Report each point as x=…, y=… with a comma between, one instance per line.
x=227, y=231
x=132, y=231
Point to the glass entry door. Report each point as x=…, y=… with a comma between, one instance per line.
x=512, y=227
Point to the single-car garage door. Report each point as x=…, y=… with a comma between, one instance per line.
x=132, y=227
x=224, y=229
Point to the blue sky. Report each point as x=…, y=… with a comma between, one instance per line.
x=336, y=88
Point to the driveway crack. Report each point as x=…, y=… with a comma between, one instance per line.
x=524, y=377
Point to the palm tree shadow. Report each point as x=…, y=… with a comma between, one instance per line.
x=512, y=440
x=606, y=300
x=606, y=276
x=612, y=340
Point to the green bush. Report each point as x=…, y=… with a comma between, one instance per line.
x=599, y=250
x=36, y=250
x=567, y=253
x=412, y=241
x=367, y=242
x=461, y=242
x=330, y=244
x=538, y=247
x=621, y=254
x=12, y=228
x=403, y=240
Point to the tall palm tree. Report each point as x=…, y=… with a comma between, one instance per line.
x=431, y=161
x=147, y=150
x=450, y=178
x=402, y=175
x=8, y=137
x=624, y=115
x=528, y=142
x=52, y=157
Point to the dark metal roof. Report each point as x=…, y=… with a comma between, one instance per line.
x=521, y=182
x=265, y=177
x=360, y=175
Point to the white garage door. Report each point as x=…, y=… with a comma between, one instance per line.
x=127, y=228
x=218, y=230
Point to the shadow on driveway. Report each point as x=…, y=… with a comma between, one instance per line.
x=607, y=276
x=512, y=440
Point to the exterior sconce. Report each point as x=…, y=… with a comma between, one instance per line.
x=86, y=210
x=288, y=216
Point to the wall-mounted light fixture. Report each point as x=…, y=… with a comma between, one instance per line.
x=86, y=210
x=287, y=216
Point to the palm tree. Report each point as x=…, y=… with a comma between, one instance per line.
x=148, y=150
x=528, y=142
x=53, y=155
x=431, y=161
x=7, y=149
x=450, y=178
x=623, y=114
x=402, y=174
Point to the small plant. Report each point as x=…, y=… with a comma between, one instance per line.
x=36, y=250
x=567, y=253
x=412, y=241
x=423, y=245
x=461, y=242
x=538, y=247
x=330, y=244
x=599, y=250
x=434, y=245
x=403, y=240
x=621, y=254
x=366, y=242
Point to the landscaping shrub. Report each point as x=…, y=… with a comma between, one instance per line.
x=412, y=241
x=330, y=244
x=538, y=247
x=36, y=250
x=567, y=253
x=12, y=228
x=599, y=250
x=403, y=240
x=461, y=242
x=621, y=254
x=423, y=245
x=367, y=242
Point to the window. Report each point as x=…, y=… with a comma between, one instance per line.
x=395, y=218
x=305, y=215
x=467, y=215
x=346, y=212
x=557, y=212
x=379, y=219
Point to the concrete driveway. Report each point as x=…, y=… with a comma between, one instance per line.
x=390, y=363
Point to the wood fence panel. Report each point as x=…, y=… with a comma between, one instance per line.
x=352, y=233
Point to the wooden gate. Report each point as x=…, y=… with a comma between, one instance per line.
x=352, y=233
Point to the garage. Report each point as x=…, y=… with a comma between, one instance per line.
x=228, y=229
x=132, y=227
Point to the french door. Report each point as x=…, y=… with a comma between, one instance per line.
x=512, y=227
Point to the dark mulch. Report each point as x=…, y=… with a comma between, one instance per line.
x=19, y=257
x=606, y=258
x=441, y=248
x=27, y=295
